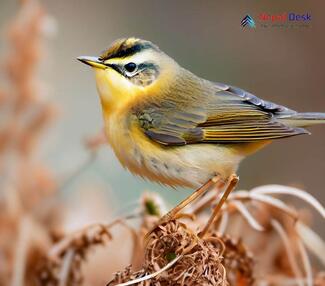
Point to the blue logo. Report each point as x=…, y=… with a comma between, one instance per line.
x=248, y=21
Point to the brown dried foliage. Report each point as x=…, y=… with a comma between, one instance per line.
x=238, y=262
x=27, y=181
x=63, y=263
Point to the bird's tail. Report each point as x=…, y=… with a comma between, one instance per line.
x=303, y=119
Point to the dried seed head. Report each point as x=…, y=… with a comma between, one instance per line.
x=200, y=262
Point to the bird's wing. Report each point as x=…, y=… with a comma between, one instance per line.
x=230, y=115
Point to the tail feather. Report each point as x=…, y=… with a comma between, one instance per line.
x=303, y=119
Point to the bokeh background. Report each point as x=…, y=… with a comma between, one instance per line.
x=284, y=65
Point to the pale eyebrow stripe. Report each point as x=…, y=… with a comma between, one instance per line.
x=124, y=51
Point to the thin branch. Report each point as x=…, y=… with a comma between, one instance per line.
x=66, y=267
x=63, y=244
x=306, y=262
x=152, y=275
x=79, y=170
x=223, y=222
x=284, y=190
x=312, y=240
x=247, y=215
x=18, y=274
x=287, y=245
x=267, y=200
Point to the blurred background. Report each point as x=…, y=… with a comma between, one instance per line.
x=284, y=65
x=52, y=182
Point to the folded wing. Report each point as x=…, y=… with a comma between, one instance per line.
x=228, y=115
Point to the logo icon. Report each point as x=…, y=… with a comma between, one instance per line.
x=248, y=21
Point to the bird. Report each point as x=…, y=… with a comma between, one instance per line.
x=168, y=125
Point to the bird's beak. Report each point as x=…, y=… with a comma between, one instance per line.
x=93, y=62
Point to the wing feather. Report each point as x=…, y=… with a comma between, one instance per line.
x=228, y=115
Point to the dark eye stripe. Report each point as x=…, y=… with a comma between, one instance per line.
x=117, y=68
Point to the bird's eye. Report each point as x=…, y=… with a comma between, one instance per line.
x=130, y=67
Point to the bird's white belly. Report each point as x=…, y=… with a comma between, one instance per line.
x=189, y=165
x=193, y=164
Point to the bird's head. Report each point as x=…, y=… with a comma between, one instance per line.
x=130, y=70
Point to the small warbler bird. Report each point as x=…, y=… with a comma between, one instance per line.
x=171, y=126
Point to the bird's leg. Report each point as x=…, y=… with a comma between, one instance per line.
x=172, y=214
x=209, y=198
x=233, y=180
x=198, y=193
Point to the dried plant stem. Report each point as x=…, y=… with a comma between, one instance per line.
x=306, y=262
x=65, y=243
x=66, y=267
x=247, y=215
x=152, y=275
x=18, y=276
x=79, y=170
x=276, y=203
x=285, y=190
x=312, y=240
x=223, y=222
x=287, y=244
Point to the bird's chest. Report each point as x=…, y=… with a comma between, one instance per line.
x=133, y=149
x=119, y=136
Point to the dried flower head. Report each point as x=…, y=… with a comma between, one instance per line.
x=199, y=263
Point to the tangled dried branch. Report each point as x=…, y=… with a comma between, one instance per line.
x=62, y=266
